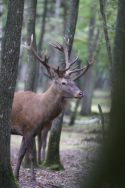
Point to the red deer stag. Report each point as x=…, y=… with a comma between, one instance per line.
x=31, y=112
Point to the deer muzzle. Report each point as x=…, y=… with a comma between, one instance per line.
x=80, y=94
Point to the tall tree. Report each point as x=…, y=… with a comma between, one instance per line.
x=30, y=82
x=31, y=19
x=8, y=75
x=109, y=171
x=1, y=24
x=90, y=77
x=105, y=28
x=53, y=155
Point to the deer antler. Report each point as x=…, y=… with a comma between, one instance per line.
x=54, y=72
x=65, y=49
x=83, y=70
x=43, y=60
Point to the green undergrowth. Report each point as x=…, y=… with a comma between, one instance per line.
x=55, y=167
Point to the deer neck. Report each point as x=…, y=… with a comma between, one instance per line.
x=53, y=101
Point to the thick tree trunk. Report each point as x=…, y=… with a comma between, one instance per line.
x=8, y=75
x=53, y=156
x=53, y=149
x=110, y=169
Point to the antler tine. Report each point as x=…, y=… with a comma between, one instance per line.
x=72, y=63
x=42, y=60
x=76, y=70
x=57, y=45
x=84, y=70
x=65, y=49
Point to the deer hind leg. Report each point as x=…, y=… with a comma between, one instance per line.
x=31, y=157
x=21, y=154
x=42, y=140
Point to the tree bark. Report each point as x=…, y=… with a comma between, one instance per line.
x=1, y=24
x=107, y=40
x=90, y=77
x=110, y=169
x=8, y=75
x=30, y=82
x=31, y=18
x=53, y=156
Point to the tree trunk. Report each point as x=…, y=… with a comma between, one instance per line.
x=74, y=113
x=31, y=18
x=1, y=24
x=53, y=149
x=30, y=81
x=41, y=76
x=77, y=102
x=110, y=169
x=53, y=157
x=90, y=77
x=8, y=75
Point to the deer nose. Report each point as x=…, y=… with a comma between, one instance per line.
x=81, y=94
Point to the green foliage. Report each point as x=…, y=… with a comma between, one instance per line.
x=81, y=36
x=56, y=166
x=54, y=28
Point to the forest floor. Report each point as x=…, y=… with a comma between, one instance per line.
x=78, y=148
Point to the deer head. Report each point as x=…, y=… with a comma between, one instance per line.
x=63, y=80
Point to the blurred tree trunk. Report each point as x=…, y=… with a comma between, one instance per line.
x=90, y=77
x=110, y=169
x=8, y=75
x=30, y=81
x=53, y=156
x=77, y=102
x=74, y=113
x=104, y=20
x=31, y=18
x=41, y=76
x=1, y=24
x=43, y=25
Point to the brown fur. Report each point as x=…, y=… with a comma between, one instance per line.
x=32, y=113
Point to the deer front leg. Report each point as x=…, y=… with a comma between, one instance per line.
x=21, y=154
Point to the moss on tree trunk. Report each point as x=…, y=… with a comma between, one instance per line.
x=6, y=175
x=8, y=75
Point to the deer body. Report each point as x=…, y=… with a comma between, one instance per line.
x=32, y=113
x=34, y=109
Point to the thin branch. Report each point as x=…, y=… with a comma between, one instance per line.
x=108, y=46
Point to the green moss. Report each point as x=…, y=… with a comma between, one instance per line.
x=54, y=166
x=7, y=180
